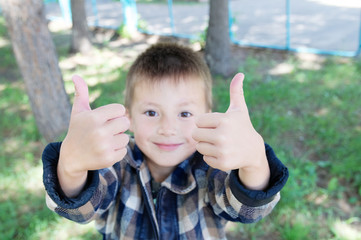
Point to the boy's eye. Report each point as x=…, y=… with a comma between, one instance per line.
x=185, y=114
x=151, y=113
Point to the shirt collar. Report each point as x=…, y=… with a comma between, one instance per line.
x=181, y=180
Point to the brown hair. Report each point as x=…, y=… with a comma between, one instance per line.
x=167, y=60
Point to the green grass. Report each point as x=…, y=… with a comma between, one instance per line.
x=312, y=119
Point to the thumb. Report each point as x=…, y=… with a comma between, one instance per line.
x=81, y=100
x=237, y=101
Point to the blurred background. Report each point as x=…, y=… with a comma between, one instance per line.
x=302, y=65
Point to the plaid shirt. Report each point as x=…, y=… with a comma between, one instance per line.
x=194, y=202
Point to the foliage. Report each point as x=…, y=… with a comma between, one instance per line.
x=201, y=38
x=124, y=32
x=311, y=117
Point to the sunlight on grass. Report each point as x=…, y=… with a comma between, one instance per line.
x=102, y=69
x=4, y=42
x=104, y=58
x=94, y=95
x=32, y=180
x=63, y=229
x=23, y=176
x=282, y=68
x=318, y=197
x=309, y=61
x=345, y=231
x=12, y=145
x=358, y=128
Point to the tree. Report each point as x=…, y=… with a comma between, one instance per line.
x=218, y=42
x=80, y=41
x=37, y=59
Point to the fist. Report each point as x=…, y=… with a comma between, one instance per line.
x=228, y=140
x=95, y=138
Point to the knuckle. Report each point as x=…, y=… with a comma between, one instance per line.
x=99, y=134
x=101, y=150
x=118, y=108
x=93, y=119
x=221, y=139
x=221, y=156
x=124, y=140
x=195, y=135
x=225, y=165
x=125, y=123
x=224, y=121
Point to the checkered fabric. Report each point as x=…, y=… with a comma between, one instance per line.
x=194, y=202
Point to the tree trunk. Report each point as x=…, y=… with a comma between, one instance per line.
x=80, y=41
x=36, y=56
x=218, y=42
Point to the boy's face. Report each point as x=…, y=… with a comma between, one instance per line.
x=163, y=118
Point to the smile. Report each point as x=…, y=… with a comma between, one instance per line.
x=167, y=146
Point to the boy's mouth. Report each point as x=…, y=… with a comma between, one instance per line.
x=168, y=146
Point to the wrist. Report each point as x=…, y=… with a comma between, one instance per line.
x=67, y=171
x=255, y=177
x=71, y=184
x=68, y=161
x=71, y=181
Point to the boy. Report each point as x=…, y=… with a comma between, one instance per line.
x=185, y=172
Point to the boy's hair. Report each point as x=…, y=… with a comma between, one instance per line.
x=170, y=61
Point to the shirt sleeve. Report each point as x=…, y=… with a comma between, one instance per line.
x=231, y=200
x=254, y=198
x=89, y=202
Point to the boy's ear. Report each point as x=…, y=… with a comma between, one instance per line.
x=127, y=114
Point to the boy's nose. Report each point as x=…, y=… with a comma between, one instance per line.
x=167, y=127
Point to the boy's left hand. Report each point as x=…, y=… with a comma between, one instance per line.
x=229, y=141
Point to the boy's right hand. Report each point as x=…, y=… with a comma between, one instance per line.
x=95, y=139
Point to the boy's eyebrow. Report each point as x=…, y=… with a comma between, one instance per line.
x=186, y=103
x=182, y=103
x=150, y=104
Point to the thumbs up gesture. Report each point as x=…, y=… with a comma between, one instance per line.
x=95, y=139
x=229, y=141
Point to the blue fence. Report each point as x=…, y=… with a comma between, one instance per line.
x=129, y=17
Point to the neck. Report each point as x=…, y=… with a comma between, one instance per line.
x=159, y=173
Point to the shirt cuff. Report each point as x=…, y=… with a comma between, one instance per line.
x=50, y=160
x=256, y=198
